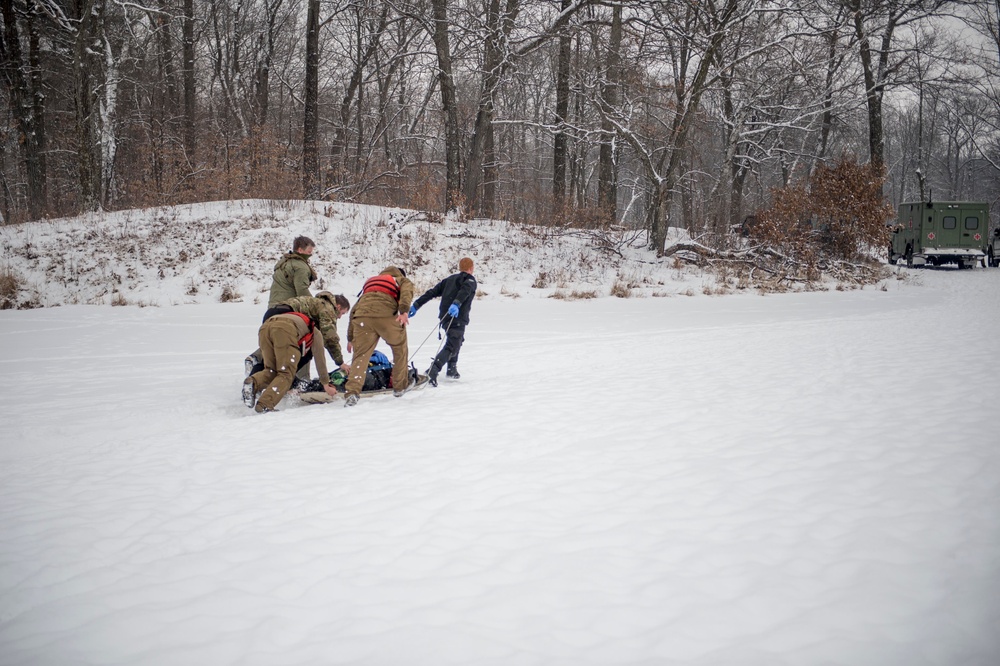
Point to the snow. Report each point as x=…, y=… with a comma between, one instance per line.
x=197, y=253
x=807, y=478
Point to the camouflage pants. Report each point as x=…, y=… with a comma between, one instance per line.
x=279, y=344
x=367, y=332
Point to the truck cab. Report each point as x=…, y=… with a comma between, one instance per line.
x=941, y=232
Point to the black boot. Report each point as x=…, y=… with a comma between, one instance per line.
x=453, y=372
x=249, y=397
x=432, y=376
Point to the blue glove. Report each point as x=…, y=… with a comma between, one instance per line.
x=413, y=311
x=453, y=310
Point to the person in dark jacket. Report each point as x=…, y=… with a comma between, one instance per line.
x=457, y=293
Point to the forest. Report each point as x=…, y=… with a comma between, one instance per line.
x=638, y=114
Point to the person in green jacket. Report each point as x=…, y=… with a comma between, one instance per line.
x=292, y=277
x=293, y=274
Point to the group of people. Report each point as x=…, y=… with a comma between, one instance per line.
x=299, y=327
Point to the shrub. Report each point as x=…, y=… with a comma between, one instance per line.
x=10, y=284
x=621, y=289
x=839, y=213
x=229, y=294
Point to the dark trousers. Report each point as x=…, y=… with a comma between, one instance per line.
x=454, y=337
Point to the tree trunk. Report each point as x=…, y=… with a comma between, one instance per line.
x=189, y=89
x=310, y=131
x=161, y=23
x=24, y=102
x=88, y=161
x=607, y=183
x=449, y=104
x=38, y=170
x=559, y=148
x=484, y=116
x=873, y=86
x=491, y=173
x=739, y=169
x=831, y=69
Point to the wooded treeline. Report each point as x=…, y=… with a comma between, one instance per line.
x=645, y=113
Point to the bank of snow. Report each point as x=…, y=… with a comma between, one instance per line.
x=780, y=480
x=226, y=251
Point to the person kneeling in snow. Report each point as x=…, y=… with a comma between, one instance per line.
x=285, y=338
x=325, y=315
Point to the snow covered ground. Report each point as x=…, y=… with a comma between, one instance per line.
x=790, y=479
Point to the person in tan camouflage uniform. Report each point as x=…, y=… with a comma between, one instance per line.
x=302, y=325
x=382, y=312
x=325, y=309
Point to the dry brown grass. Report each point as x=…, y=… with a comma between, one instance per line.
x=574, y=295
x=10, y=284
x=621, y=289
x=229, y=294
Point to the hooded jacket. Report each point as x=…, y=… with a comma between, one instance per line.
x=292, y=277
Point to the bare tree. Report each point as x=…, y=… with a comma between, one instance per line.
x=607, y=183
x=876, y=23
x=560, y=140
x=188, y=76
x=310, y=132
x=25, y=98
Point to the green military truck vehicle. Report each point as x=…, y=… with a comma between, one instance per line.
x=993, y=249
x=941, y=232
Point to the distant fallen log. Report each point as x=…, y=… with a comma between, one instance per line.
x=764, y=266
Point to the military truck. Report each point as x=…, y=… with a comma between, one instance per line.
x=993, y=249
x=940, y=232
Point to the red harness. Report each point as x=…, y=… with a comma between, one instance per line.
x=385, y=284
x=305, y=342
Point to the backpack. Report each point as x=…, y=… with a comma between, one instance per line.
x=379, y=375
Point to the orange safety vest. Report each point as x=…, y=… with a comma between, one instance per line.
x=385, y=284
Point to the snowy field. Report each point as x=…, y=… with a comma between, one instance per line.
x=795, y=479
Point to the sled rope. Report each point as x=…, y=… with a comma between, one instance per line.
x=413, y=354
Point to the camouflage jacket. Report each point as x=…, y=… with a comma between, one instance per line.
x=321, y=312
x=292, y=277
